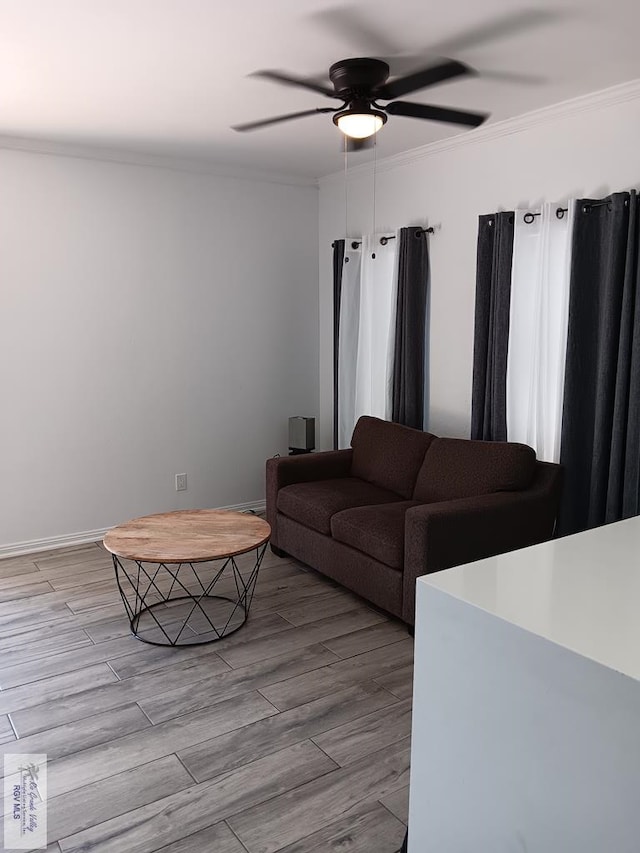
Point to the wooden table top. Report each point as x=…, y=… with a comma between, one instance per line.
x=187, y=536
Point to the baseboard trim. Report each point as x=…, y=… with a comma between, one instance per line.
x=67, y=540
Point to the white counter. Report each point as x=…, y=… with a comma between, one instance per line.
x=526, y=733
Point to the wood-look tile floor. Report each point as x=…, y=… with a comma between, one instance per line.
x=291, y=735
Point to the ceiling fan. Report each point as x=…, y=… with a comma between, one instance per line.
x=360, y=84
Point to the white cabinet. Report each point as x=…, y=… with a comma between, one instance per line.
x=526, y=719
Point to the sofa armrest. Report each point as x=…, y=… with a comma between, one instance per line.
x=441, y=535
x=303, y=468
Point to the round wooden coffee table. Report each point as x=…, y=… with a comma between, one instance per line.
x=181, y=575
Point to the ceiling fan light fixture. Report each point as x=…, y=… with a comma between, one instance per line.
x=359, y=123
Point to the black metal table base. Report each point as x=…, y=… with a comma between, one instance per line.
x=164, y=611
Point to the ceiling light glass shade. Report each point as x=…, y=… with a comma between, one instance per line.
x=359, y=125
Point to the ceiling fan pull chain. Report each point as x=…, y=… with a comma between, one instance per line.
x=346, y=195
x=375, y=162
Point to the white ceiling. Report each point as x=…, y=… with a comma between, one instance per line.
x=169, y=77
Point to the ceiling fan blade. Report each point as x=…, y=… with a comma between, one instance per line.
x=496, y=28
x=256, y=125
x=421, y=79
x=432, y=113
x=349, y=24
x=291, y=80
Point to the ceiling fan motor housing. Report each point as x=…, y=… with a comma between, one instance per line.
x=354, y=78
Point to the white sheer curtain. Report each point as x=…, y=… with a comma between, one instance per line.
x=348, y=343
x=538, y=329
x=378, y=293
x=367, y=327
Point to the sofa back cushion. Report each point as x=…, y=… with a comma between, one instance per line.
x=460, y=468
x=388, y=455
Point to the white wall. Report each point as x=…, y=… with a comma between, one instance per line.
x=586, y=147
x=154, y=322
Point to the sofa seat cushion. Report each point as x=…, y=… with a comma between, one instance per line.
x=460, y=468
x=375, y=530
x=388, y=455
x=313, y=504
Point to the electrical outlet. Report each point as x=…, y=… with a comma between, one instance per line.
x=181, y=482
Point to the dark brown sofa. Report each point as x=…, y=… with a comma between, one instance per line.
x=401, y=503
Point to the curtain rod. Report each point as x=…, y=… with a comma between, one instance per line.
x=587, y=208
x=560, y=212
x=530, y=217
x=385, y=240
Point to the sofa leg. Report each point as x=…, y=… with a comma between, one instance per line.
x=278, y=551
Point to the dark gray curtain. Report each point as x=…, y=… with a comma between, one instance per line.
x=409, y=347
x=601, y=416
x=338, y=263
x=491, y=338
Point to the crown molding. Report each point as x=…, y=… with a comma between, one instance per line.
x=148, y=160
x=546, y=115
